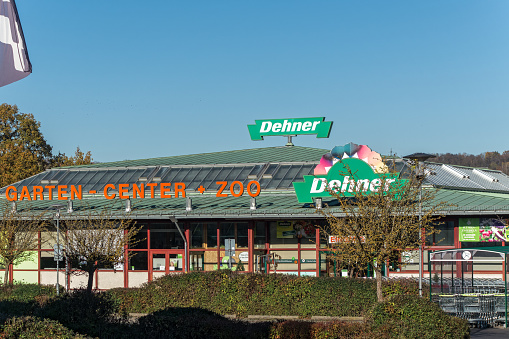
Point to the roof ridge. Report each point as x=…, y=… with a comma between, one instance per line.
x=121, y=163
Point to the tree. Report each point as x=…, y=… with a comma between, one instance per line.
x=96, y=240
x=18, y=237
x=79, y=158
x=24, y=151
x=375, y=224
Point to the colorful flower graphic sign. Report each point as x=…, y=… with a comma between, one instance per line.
x=345, y=169
x=482, y=230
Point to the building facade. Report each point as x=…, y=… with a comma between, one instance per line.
x=189, y=206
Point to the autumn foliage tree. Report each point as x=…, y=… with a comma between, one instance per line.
x=373, y=226
x=23, y=149
x=79, y=158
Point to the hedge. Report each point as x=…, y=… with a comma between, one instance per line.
x=192, y=305
x=406, y=316
x=227, y=292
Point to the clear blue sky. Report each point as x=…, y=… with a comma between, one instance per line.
x=139, y=79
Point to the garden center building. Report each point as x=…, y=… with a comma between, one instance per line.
x=186, y=224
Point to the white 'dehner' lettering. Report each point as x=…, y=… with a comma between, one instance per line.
x=319, y=184
x=286, y=126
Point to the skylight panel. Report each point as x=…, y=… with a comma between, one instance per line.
x=485, y=175
x=456, y=172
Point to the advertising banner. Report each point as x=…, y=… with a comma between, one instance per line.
x=285, y=230
x=482, y=230
x=295, y=229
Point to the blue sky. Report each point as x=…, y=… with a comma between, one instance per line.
x=139, y=79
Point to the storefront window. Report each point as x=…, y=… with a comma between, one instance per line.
x=227, y=231
x=259, y=235
x=48, y=261
x=242, y=238
x=196, y=235
x=444, y=235
x=211, y=236
x=48, y=239
x=165, y=236
x=139, y=261
x=140, y=240
x=196, y=261
x=282, y=234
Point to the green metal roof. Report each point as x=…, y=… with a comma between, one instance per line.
x=269, y=205
x=474, y=201
x=254, y=155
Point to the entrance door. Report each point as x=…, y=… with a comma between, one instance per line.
x=166, y=262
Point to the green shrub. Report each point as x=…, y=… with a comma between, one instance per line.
x=325, y=330
x=336, y=329
x=407, y=316
x=291, y=330
x=21, y=299
x=32, y=327
x=227, y=292
x=94, y=314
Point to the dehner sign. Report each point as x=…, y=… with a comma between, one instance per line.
x=346, y=170
x=295, y=126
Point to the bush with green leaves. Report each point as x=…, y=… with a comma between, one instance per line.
x=407, y=316
x=33, y=327
x=227, y=292
x=94, y=314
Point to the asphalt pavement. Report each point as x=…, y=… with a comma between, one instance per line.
x=490, y=333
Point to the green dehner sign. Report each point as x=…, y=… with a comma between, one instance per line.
x=296, y=126
x=361, y=178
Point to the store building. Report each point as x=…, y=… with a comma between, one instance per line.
x=245, y=195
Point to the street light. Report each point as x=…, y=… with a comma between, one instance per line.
x=419, y=158
x=59, y=251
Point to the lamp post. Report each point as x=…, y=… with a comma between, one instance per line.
x=58, y=249
x=418, y=158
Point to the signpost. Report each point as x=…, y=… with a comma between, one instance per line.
x=58, y=251
x=229, y=245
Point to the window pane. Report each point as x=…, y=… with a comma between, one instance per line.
x=196, y=262
x=242, y=240
x=139, y=261
x=196, y=235
x=446, y=235
x=165, y=236
x=212, y=236
x=48, y=261
x=227, y=232
x=140, y=240
x=259, y=235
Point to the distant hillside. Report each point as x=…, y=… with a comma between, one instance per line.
x=491, y=160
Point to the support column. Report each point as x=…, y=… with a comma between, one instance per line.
x=188, y=254
x=250, y=245
x=218, y=242
x=318, y=263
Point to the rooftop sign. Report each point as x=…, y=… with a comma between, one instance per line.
x=346, y=169
x=295, y=126
x=126, y=191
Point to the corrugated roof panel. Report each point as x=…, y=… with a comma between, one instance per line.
x=255, y=155
x=444, y=177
